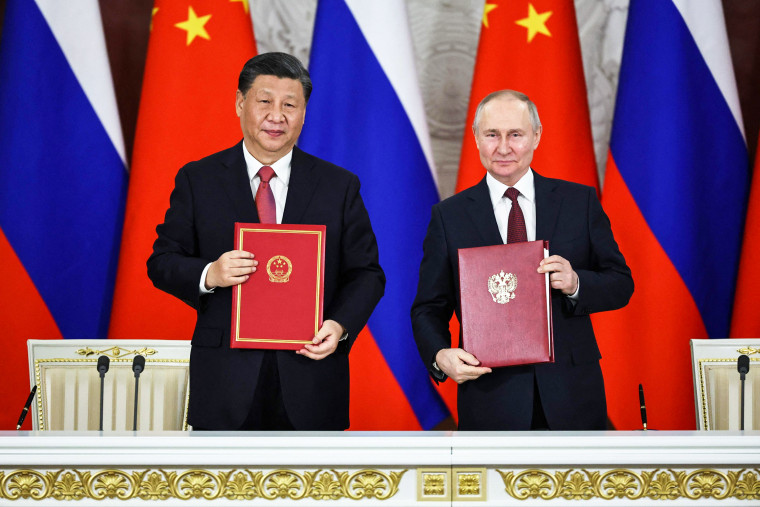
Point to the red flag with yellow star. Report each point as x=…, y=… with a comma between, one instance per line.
x=533, y=47
x=187, y=111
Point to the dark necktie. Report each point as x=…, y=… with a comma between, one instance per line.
x=516, y=231
x=265, y=198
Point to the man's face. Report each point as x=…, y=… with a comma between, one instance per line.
x=271, y=116
x=505, y=139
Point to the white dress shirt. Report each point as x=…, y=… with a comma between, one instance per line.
x=502, y=205
x=527, y=201
x=279, y=184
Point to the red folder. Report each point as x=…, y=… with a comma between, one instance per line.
x=280, y=305
x=506, y=304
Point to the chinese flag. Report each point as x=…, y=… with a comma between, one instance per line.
x=745, y=321
x=533, y=47
x=187, y=111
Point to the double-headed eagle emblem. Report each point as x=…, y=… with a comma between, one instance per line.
x=502, y=287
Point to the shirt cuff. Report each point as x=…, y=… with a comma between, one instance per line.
x=202, y=286
x=574, y=296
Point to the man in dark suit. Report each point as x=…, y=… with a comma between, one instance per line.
x=587, y=274
x=193, y=259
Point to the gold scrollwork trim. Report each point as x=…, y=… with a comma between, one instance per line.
x=234, y=484
x=115, y=352
x=748, y=350
x=657, y=484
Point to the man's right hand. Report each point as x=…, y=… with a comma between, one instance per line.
x=231, y=268
x=460, y=365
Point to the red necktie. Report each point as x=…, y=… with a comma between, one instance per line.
x=516, y=231
x=265, y=198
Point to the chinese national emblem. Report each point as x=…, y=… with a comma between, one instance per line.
x=502, y=287
x=279, y=268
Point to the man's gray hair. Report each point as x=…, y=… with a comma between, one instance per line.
x=535, y=122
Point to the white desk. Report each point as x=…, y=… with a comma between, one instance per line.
x=380, y=468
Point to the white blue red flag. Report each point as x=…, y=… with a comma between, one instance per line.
x=62, y=179
x=366, y=114
x=675, y=190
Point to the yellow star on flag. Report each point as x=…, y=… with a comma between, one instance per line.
x=194, y=26
x=535, y=22
x=486, y=9
x=244, y=2
x=153, y=15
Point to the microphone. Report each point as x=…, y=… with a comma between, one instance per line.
x=138, y=365
x=643, y=407
x=742, y=365
x=103, y=363
x=27, y=405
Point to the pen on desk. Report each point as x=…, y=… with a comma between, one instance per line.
x=643, y=407
x=26, y=408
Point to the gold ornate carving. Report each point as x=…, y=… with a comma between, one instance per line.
x=470, y=484
x=232, y=484
x=748, y=350
x=115, y=352
x=620, y=483
x=433, y=484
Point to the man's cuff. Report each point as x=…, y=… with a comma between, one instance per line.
x=437, y=373
x=574, y=296
x=202, y=287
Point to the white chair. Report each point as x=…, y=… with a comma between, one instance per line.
x=68, y=384
x=717, y=384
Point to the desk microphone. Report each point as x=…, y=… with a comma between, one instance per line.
x=103, y=363
x=138, y=365
x=742, y=365
x=27, y=405
x=643, y=407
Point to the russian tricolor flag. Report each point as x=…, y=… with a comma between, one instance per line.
x=62, y=178
x=675, y=190
x=366, y=114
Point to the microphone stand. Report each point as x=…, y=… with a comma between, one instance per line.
x=138, y=364
x=103, y=363
x=742, y=364
x=741, y=421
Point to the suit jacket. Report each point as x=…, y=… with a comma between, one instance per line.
x=209, y=196
x=571, y=218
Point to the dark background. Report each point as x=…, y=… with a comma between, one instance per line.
x=127, y=25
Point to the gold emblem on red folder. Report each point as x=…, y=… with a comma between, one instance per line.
x=279, y=268
x=502, y=287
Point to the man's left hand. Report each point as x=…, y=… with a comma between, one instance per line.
x=325, y=342
x=561, y=274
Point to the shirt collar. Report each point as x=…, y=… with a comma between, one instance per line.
x=524, y=185
x=281, y=167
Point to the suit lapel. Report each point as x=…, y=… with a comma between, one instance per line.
x=302, y=186
x=547, y=206
x=480, y=211
x=236, y=184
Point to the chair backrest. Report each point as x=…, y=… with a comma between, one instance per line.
x=68, y=384
x=717, y=384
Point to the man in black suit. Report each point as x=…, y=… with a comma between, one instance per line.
x=587, y=274
x=193, y=259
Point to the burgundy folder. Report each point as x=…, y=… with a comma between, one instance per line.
x=506, y=304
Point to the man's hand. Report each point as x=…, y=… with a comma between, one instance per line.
x=325, y=342
x=562, y=276
x=231, y=268
x=460, y=365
